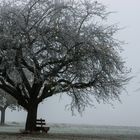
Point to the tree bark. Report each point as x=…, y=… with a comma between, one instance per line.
x=3, y=116
x=31, y=117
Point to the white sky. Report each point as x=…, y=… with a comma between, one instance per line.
x=125, y=113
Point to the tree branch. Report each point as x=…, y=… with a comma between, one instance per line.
x=30, y=68
x=18, y=60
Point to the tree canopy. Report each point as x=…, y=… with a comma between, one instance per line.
x=49, y=47
x=6, y=101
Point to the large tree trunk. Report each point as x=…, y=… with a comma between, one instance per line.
x=31, y=118
x=3, y=116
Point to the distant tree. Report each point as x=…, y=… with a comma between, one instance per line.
x=49, y=47
x=6, y=101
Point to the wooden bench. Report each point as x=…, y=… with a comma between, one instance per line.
x=41, y=125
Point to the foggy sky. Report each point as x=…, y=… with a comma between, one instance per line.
x=125, y=113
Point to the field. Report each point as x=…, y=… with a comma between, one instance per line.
x=71, y=132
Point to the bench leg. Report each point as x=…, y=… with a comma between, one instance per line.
x=46, y=129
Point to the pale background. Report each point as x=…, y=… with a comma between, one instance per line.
x=126, y=113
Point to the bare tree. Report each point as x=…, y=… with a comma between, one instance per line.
x=67, y=47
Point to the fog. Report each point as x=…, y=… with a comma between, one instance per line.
x=127, y=112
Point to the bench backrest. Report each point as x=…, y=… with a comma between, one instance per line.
x=40, y=122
